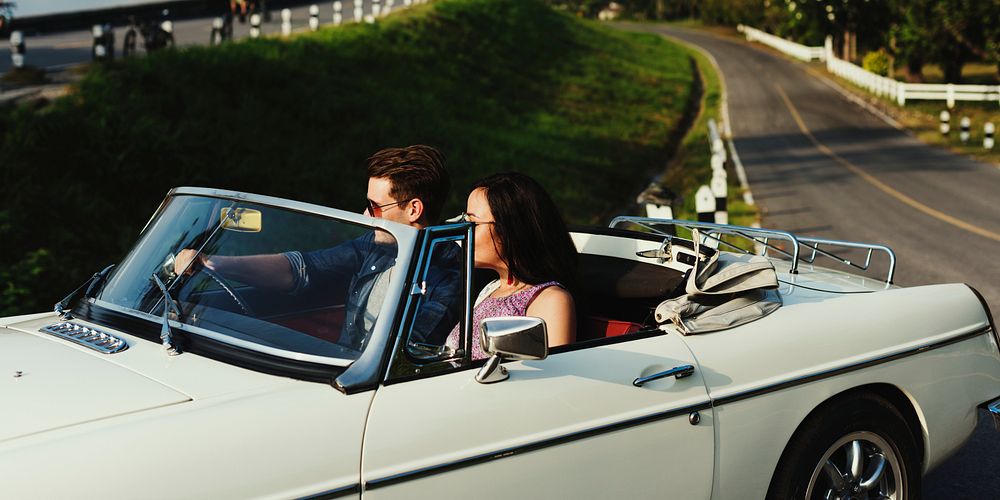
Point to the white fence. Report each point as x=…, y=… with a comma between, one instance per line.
x=793, y=49
x=876, y=84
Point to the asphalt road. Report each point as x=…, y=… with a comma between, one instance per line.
x=820, y=165
x=60, y=50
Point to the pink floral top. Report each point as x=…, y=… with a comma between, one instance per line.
x=515, y=304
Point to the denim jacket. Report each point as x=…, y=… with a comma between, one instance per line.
x=360, y=262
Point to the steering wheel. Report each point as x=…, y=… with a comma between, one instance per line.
x=229, y=289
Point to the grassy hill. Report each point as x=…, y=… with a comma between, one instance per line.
x=495, y=84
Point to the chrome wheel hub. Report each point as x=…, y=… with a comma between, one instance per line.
x=858, y=466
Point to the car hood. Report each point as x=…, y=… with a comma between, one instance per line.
x=48, y=384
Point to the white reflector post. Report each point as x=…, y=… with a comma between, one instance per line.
x=314, y=17
x=988, y=131
x=945, y=117
x=215, y=38
x=255, y=26
x=286, y=22
x=704, y=204
x=17, y=49
x=965, y=123
x=718, y=186
x=718, y=163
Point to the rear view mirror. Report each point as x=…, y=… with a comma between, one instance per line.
x=244, y=220
x=510, y=337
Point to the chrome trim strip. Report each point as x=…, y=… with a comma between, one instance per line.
x=354, y=489
x=395, y=228
x=850, y=368
x=86, y=336
x=504, y=453
x=525, y=448
x=225, y=339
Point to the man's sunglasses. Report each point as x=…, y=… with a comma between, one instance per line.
x=375, y=210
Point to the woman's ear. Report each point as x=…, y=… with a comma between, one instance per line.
x=415, y=210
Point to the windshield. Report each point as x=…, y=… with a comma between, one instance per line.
x=260, y=276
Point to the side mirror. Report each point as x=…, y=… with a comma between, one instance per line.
x=510, y=337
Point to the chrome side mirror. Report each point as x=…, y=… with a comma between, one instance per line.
x=510, y=337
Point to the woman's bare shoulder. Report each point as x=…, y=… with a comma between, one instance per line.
x=552, y=298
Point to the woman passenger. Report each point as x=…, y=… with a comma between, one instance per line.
x=520, y=235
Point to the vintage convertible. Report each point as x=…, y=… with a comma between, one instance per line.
x=697, y=372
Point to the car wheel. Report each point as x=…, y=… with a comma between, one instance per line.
x=856, y=447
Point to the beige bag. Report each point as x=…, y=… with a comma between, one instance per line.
x=726, y=291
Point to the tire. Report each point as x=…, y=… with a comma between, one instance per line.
x=861, y=425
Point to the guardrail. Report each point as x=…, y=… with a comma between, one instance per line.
x=793, y=49
x=879, y=85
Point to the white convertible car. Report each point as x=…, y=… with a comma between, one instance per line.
x=697, y=373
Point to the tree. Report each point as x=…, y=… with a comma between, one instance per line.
x=968, y=29
x=911, y=35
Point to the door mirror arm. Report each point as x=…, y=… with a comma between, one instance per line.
x=510, y=337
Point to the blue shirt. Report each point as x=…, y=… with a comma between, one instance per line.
x=360, y=262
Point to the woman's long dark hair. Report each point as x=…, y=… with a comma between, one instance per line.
x=533, y=239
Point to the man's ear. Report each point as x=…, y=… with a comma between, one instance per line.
x=415, y=210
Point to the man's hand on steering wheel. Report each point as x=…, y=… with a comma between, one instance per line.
x=185, y=261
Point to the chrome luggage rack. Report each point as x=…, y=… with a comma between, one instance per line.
x=762, y=239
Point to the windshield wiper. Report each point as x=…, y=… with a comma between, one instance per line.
x=166, y=335
x=91, y=285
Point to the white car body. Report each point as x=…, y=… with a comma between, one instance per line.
x=77, y=423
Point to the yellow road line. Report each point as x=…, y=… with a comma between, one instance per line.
x=885, y=188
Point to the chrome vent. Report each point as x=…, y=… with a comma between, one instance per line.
x=87, y=337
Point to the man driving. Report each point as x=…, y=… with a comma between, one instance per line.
x=406, y=185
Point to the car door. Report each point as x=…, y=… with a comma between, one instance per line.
x=570, y=426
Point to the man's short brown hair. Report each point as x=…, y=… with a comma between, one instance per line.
x=415, y=172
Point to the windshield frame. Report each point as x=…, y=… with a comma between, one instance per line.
x=406, y=239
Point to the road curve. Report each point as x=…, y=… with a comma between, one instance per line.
x=820, y=165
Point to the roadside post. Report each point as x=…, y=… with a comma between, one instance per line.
x=338, y=13
x=104, y=43
x=387, y=8
x=718, y=163
x=718, y=186
x=286, y=22
x=167, y=26
x=215, y=38
x=988, y=131
x=17, y=49
x=658, y=201
x=945, y=117
x=376, y=8
x=359, y=11
x=314, y=17
x=716, y=144
x=964, y=123
x=704, y=204
x=255, y=26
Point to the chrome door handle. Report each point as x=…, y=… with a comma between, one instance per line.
x=677, y=372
